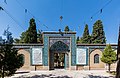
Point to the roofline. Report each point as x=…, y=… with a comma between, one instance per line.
x=95, y=44
x=53, y=32
x=38, y=44
x=24, y=44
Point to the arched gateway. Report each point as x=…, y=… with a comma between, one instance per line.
x=59, y=50
x=58, y=56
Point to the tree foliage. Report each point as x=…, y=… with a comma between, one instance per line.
x=16, y=40
x=30, y=35
x=40, y=36
x=10, y=60
x=86, y=37
x=98, y=34
x=22, y=37
x=78, y=39
x=66, y=29
x=58, y=58
x=108, y=56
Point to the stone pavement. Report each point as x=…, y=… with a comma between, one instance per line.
x=63, y=74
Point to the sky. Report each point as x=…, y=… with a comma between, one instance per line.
x=76, y=13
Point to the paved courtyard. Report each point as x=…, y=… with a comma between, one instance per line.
x=63, y=74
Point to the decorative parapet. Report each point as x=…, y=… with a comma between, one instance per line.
x=26, y=46
x=91, y=47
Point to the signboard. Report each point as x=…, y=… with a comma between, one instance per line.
x=81, y=56
x=36, y=56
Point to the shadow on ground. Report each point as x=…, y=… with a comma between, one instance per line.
x=91, y=76
x=22, y=72
x=45, y=76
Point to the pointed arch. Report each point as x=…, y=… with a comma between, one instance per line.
x=59, y=46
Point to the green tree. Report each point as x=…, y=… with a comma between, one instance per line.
x=16, y=40
x=66, y=29
x=61, y=59
x=86, y=37
x=108, y=56
x=30, y=36
x=98, y=34
x=78, y=39
x=10, y=60
x=22, y=37
x=40, y=36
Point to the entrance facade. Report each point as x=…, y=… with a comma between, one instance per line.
x=59, y=50
x=58, y=55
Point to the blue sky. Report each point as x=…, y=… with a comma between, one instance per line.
x=76, y=13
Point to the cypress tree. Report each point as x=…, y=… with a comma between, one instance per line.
x=66, y=29
x=86, y=36
x=78, y=38
x=98, y=34
x=40, y=37
x=30, y=36
x=22, y=37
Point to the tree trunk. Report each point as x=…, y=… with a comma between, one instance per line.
x=109, y=67
x=3, y=72
x=2, y=75
x=118, y=69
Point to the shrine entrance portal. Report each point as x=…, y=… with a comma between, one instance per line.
x=59, y=56
x=59, y=50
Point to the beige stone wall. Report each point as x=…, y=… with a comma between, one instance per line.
x=114, y=65
x=26, y=54
x=39, y=67
x=93, y=65
x=27, y=65
x=79, y=67
x=72, y=67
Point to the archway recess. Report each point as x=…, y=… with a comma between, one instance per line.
x=58, y=55
x=59, y=46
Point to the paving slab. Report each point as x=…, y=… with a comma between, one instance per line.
x=63, y=74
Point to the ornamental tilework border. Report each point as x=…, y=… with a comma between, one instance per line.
x=46, y=47
x=65, y=40
x=73, y=50
x=45, y=51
